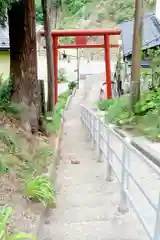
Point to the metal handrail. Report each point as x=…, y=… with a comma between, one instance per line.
x=102, y=137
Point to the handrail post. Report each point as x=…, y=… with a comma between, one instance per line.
x=88, y=125
x=98, y=150
x=93, y=130
x=109, y=155
x=157, y=225
x=123, y=206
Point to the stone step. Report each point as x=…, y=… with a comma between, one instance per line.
x=118, y=227
x=76, y=200
x=87, y=214
x=86, y=189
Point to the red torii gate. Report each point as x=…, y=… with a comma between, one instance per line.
x=83, y=33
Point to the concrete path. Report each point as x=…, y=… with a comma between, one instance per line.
x=94, y=67
x=86, y=203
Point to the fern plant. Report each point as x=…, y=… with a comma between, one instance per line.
x=40, y=189
x=5, y=213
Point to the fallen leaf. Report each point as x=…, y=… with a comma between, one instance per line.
x=75, y=162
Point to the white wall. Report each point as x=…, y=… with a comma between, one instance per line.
x=158, y=9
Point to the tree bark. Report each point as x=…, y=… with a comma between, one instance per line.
x=23, y=61
x=50, y=69
x=136, y=53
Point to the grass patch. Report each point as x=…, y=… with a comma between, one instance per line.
x=5, y=214
x=40, y=189
x=103, y=105
x=145, y=120
x=24, y=161
x=52, y=121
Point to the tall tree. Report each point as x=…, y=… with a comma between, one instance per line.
x=136, y=53
x=50, y=70
x=23, y=60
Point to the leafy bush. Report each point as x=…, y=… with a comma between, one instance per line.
x=6, y=105
x=148, y=102
x=4, y=235
x=145, y=118
x=39, y=14
x=5, y=90
x=40, y=189
x=118, y=110
x=149, y=125
x=72, y=85
x=52, y=121
x=103, y=105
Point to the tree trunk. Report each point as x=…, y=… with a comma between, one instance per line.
x=50, y=69
x=136, y=53
x=23, y=61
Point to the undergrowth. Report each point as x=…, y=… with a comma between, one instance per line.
x=103, y=105
x=10, y=108
x=145, y=119
x=72, y=85
x=5, y=214
x=24, y=158
x=52, y=121
x=40, y=189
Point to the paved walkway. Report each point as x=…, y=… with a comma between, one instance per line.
x=86, y=203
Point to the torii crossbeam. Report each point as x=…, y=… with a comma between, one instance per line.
x=75, y=33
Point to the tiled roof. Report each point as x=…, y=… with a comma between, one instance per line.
x=151, y=33
x=4, y=38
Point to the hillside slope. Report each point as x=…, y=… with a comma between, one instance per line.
x=92, y=16
x=97, y=15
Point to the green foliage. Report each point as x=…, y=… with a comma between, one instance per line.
x=103, y=105
x=149, y=125
x=121, y=16
x=6, y=105
x=40, y=189
x=52, y=121
x=146, y=116
x=3, y=6
x=3, y=167
x=39, y=14
x=120, y=10
x=153, y=55
x=5, y=213
x=5, y=90
x=38, y=3
x=72, y=85
x=118, y=110
x=149, y=101
x=75, y=5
